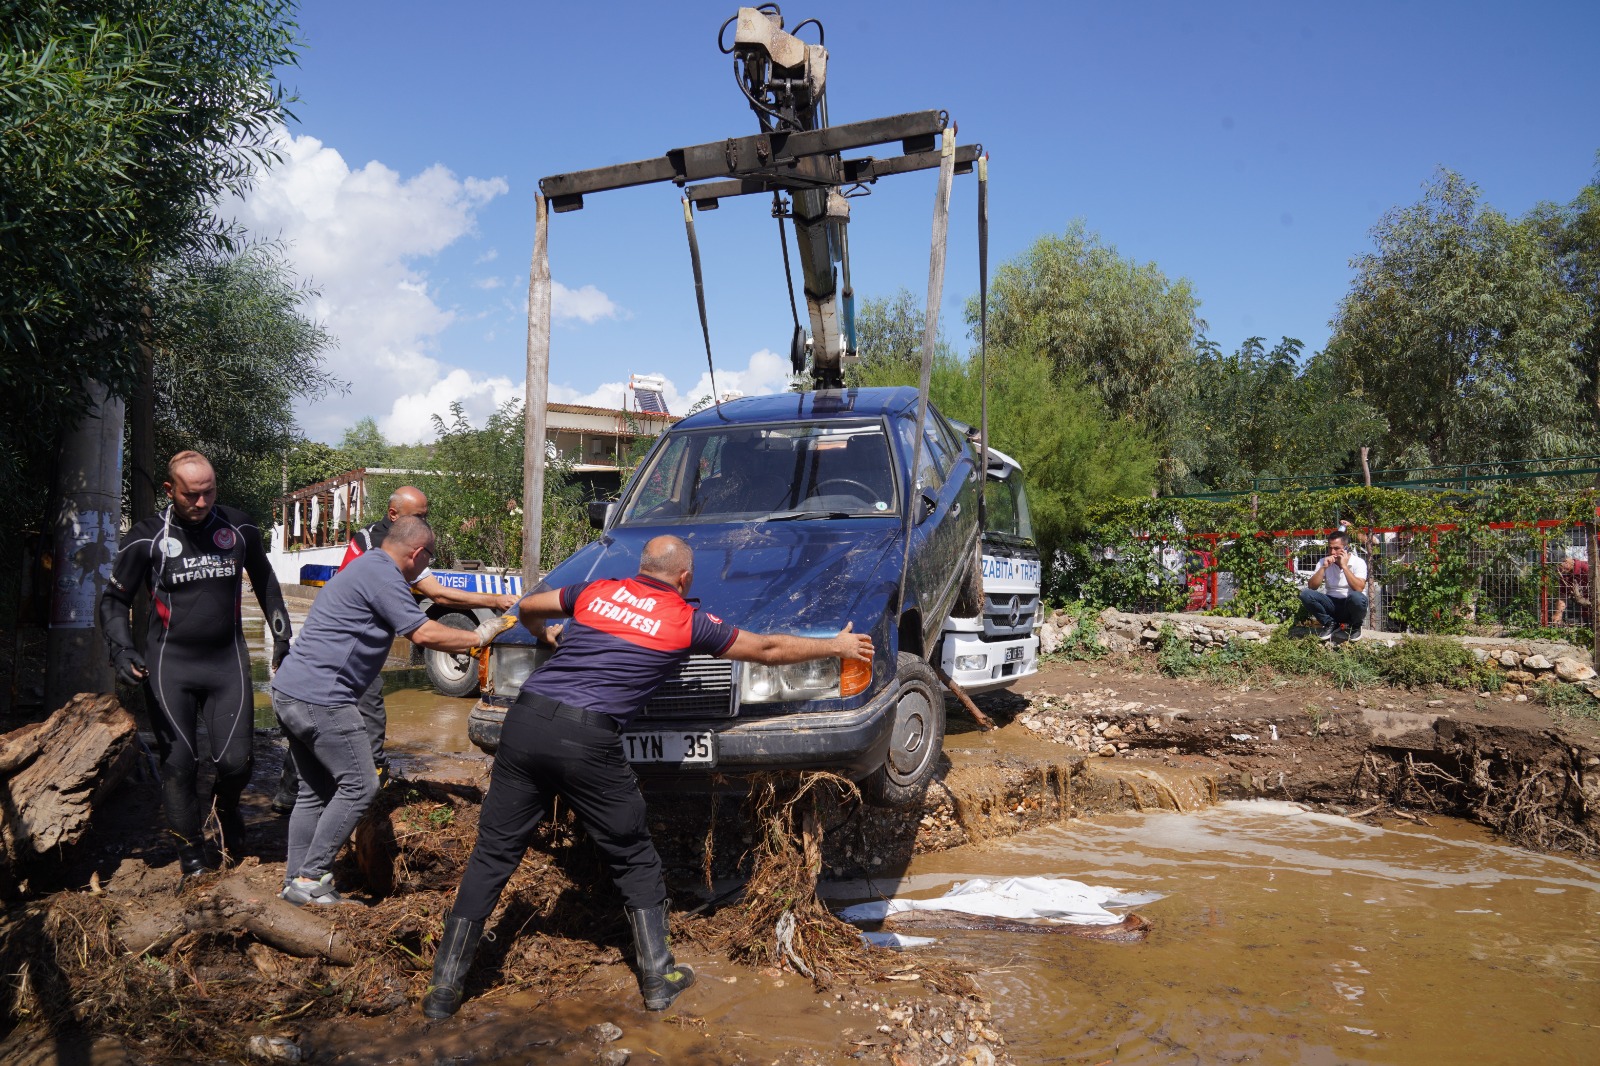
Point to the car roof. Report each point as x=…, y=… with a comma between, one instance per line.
x=806, y=406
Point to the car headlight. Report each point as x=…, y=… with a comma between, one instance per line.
x=971, y=662
x=817, y=679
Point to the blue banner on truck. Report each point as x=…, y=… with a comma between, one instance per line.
x=465, y=580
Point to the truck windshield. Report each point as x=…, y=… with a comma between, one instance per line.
x=799, y=469
x=1006, y=504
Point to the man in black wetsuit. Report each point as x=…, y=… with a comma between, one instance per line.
x=406, y=500
x=192, y=558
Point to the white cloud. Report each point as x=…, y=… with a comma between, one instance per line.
x=360, y=236
x=765, y=373
x=487, y=257
x=411, y=418
x=488, y=283
x=588, y=304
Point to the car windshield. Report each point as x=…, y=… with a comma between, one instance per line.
x=1006, y=508
x=790, y=470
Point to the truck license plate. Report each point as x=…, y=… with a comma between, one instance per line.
x=1013, y=655
x=688, y=749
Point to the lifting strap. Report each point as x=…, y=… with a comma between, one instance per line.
x=983, y=340
x=700, y=296
x=930, y=335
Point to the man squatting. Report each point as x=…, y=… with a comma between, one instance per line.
x=562, y=737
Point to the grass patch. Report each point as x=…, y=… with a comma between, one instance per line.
x=1421, y=661
x=1083, y=643
x=1571, y=700
x=1415, y=661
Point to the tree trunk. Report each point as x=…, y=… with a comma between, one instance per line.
x=53, y=772
x=235, y=903
x=86, y=516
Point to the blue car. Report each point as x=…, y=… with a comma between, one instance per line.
x=798, y=507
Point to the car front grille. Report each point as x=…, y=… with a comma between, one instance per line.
x=1009, y=614
x=702, y=688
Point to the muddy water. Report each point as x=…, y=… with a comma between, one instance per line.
x=1287, y=936
x=1279, y=936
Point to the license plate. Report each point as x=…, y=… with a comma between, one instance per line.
x=1013, y=655
x=687, y=749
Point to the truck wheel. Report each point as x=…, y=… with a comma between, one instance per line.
x=915, y=742
x=452, y=674
x=969, y=599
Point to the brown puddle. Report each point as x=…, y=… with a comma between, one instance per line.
x=1287, y=936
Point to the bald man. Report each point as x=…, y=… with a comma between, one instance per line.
x=192, y=558
x=563, y=737
x=407, y=501
x=346, y=639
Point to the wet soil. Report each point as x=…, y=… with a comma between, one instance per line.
x=1077, y=740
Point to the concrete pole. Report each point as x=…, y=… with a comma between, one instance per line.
x=86, y=514
x=536, y=395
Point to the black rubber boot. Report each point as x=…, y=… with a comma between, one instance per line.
x=288, y=787
x=450, y=965
x=234, y=835
x=661, y=977
x=192, y=860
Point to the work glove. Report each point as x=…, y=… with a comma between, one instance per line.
x=130, y=667
x=280, y=652
x=487, y=631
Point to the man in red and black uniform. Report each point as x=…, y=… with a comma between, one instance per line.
x=406, y=500
x=563, y=736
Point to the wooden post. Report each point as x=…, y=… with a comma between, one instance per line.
x=1366, y=471
x=536, y=394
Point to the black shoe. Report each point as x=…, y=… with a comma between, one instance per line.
x=661, y=977
x=1354, y=633
x=192, y=861
x=450, y=965
x=1326, y=632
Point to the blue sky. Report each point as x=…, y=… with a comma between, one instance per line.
x=1247, y=147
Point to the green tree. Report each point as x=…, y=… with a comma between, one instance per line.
x=1124, y=328
x=123, y=123
x=233, y=351
x=365, y=444
x=1459, y=330
x=1074, y=454
x=889, y=334
x=1265, y=413
x=1572, y=232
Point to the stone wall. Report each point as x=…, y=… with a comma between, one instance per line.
x=1525, y=662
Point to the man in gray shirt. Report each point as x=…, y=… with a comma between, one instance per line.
x=316, y=692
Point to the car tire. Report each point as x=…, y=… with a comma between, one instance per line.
x=452, y=674
x=915, y=742
x=969, y=597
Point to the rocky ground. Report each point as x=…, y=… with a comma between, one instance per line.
x=1079, y=738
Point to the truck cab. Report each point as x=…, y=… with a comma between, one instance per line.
x=805, y=512
x=998, y=647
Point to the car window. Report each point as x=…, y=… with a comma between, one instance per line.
x=833, y=467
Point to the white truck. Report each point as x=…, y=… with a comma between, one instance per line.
x=996, y=649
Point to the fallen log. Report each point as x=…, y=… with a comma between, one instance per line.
x=53, y=772
x=231, y=905
x=985, y=723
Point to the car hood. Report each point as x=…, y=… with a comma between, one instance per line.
x=788, y=577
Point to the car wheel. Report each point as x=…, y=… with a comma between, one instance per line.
x=915, y=741
x=969, y=598
x=452, y=673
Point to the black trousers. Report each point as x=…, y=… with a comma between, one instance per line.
x=191, y=685
x=546, y=749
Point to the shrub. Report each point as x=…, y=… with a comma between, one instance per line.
x=1421, y=661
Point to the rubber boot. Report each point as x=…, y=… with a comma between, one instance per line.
x=234, y=835
x=661, y=977
x=288, y=787
x=192, y=859
x=450, y=965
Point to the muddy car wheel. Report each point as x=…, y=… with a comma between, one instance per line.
x=452, y=674
x=915, y=743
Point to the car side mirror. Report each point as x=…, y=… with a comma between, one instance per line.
x=600, y=513
x=925, y=507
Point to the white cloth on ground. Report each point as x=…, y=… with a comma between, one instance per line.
x=1055, y=899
